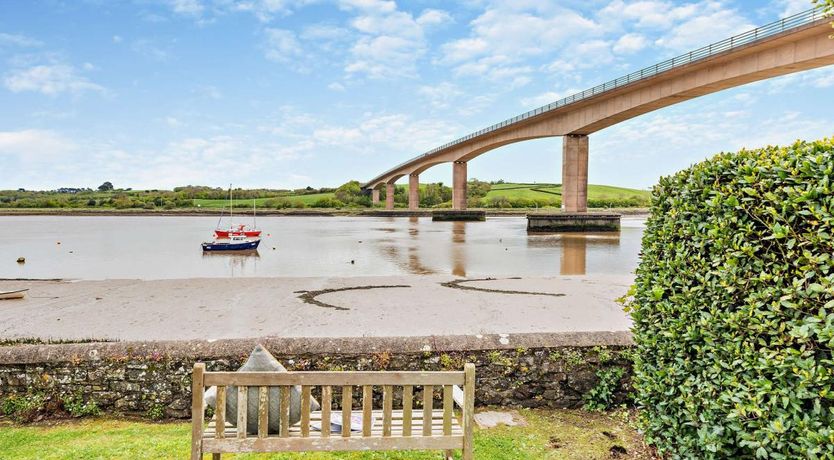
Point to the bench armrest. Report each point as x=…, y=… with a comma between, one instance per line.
x=457, y=395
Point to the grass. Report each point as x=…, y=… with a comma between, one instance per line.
x=550, y=434
x=551, y=191
x=259, y=202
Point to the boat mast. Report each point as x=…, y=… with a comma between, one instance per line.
x=231, y=205
x=254, y=215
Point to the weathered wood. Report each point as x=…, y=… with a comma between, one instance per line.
x=468, y=411
x=284, y=427
x=347, y=406
x=367, y=409
x=428, y=401
x=448, y=404
x=333, y=378
x=263, y=411
x=408, y=401
x=305, y=410
x=276, y=444
x=440, y=428
x=242, y=410
x=326, y=400
x=220, y=411
x=387, y=408
x=197, y=413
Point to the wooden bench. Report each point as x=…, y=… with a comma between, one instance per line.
x=385, y=429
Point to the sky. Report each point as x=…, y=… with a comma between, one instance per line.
x=292, y=93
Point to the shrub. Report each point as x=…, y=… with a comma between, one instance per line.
x=77, y=407
x=601, y=397
x=733, y=307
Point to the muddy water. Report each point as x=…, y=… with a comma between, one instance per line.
x=169, y=247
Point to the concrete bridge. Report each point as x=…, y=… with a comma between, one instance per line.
x=792, y=44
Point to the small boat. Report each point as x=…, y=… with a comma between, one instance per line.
x=18, y=294
x=233, y=243
x=237, y=230
x=241, y=230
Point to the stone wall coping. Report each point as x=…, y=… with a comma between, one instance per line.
x=224, y=348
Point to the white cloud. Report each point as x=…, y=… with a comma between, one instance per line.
x=187, y=7
x=117, y=39
x=34, y=144
x=282, y=45
x=541, y=99
x=18, y=40
x=336, y=86
x=791, y=7
x=390, y=41
x=432, y=17
x=150, y=49
x=630, y=43
x=713, y=25
x=52, y=79
x=651, y=13
x=441, y=96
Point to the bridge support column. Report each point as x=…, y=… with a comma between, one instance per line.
x=389, y=196
x=575, y=173
x=375, y=196
x=413, y=191
x=459, y=185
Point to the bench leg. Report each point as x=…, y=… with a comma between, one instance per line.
x=215, y=456
x=449, y=455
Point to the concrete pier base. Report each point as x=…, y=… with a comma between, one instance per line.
x=573, y=222
x=446, y=215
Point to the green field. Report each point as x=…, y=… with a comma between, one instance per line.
x=551, y=191
x=554, y=434
x=260, y=202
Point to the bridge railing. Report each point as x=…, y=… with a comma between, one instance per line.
x=774, y=28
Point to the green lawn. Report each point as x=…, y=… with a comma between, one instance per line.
x=559, y=434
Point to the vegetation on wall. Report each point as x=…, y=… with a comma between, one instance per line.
x=733, y=307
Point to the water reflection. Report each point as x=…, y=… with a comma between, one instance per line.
x=458, y=248
x=574, y=248
x=236, y=261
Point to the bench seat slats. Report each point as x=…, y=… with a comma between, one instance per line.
x=291, y=444
x=397, y=425
x=333, y=378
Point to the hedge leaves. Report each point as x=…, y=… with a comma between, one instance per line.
x=733, y=307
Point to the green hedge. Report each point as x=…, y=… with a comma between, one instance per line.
x=732, y=307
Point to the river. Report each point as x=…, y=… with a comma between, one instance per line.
x=146, y=247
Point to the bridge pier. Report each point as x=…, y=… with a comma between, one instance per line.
x=413, y=191
x=459, y=185
x=389, y=197
x=575, y=173
x=375, y=196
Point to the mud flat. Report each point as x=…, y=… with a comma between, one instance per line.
x=392, y=306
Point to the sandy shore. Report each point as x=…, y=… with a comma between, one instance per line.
x=226, y=308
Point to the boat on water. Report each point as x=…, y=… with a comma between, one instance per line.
x=239, y=229
x=18, y=294
x=233, y=243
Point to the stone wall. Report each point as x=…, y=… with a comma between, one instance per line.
x=531, y=370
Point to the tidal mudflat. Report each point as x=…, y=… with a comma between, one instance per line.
x=207, y=308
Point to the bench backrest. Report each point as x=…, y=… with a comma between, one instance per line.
x=405, y=436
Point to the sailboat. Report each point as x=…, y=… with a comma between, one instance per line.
x=237, y=229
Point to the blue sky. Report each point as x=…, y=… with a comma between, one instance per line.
x=290, y=93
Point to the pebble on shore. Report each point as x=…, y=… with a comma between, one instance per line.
x=21, y=260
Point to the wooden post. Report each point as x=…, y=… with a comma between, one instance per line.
x=305, y=411
x=242, y=410
x=468, y=410
x=263, y=412
x=197, y=413
x=367, y=409
x=326, y=400
x=408, y=401
x=428, y=400
x=347, y=405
